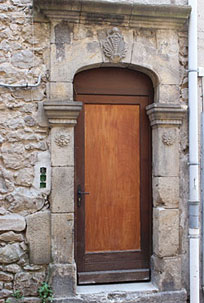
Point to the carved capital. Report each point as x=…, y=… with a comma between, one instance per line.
x=63, y=113
x=161, y=114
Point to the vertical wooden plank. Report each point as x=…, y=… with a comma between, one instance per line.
x=112, y=176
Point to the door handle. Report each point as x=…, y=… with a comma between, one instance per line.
x=79, y=195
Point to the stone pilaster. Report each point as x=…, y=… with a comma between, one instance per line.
x=62, y=117
x=166, y=262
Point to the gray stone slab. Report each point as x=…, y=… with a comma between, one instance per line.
x=62, y=195
x=38, y=236
x=12, y=222
x=63, y=280
x=62, y=238
x=160, y=297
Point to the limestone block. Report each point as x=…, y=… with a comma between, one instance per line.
x=4, y=293
x=166, y=191
x=62, y=146
x=169, y=93
x=62, y=237
x=10, y=253
x=12, y=222
x=167, y=42
x=40, y=116
x=165, y=152
x=63, y=279
x=62, y=195
x=165, y=232
x=13, y=268
x=77, y=55
x=8, y=285
x=162, y=58
x=24, y=177
x=38, y=236
x=26, y=200
x=61, y=90
x=24, y=59
x=5, y=277
x=167, y=272
x=28, y=283
x=11, y=237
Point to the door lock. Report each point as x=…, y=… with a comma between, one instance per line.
x=79, y=195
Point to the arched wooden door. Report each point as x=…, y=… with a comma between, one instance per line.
x=113, y=176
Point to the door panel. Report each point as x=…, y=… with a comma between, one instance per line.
x=112, y=164
x=112, y=177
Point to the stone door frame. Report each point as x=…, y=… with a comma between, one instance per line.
x=165, y=120
x=165, y=114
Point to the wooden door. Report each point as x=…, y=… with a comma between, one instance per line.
x=112, y=176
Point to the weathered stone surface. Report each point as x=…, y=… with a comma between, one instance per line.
x=25, y=177
x=59, y=70
x=8, y=286
x=165, y=231
x=13, y=268
x=38, y=236
x=62, y=156
x=4, y=293
x=37, y=95
x=12, y=222
x=33, y=267
x=29, y=121
x=167, y=272
x=10, y=253
x=62, y=197
x=165, y=65
x=24, y=59
x=140, y=297
x=63, y=279
x=61, y=90
x=166, y=191
x=11, y=237
x=62, y=238
x=26, y=201
x=5, y=277
x=165, y=154
x=29, y=283
x=169, y=93
x=16, y=161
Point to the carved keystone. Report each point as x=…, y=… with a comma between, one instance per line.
x=114, y=47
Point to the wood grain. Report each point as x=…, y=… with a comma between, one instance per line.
x=112, y=176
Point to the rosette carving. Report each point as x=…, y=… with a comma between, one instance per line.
x=168, y=138
x=62, y=139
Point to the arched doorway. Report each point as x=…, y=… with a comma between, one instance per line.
x=113, y=197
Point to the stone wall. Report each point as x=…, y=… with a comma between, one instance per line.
x=24, y=55
x=37, y=229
